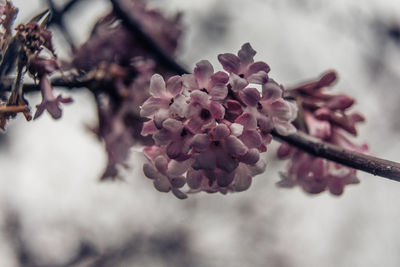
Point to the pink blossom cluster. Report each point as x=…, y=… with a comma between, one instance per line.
x=324, y=116
x=35, y=38
x=209, y=127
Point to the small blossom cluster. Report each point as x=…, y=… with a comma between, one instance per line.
x=324, y=116
x=33, y=38
x=209, y=127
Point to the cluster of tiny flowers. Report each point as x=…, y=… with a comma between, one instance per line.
x=324, y=116
x=210, y=127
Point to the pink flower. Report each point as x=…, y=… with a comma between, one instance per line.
x=167, y=175
x=203, y=112
x=243, y=65
x=175, y=137
x=49, y=101
x=165, y=100
x=204, y=78
x=42, y=68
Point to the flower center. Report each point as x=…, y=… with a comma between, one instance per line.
x=205, y=114
x=184, y=132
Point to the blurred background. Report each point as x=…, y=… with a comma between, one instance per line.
x=55, y=212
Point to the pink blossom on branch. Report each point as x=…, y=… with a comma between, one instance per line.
x=324, y=116
x=210, y=127
x=34, y=38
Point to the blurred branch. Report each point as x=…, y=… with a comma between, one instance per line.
x=69, y=5
x=135, y=28
x=57, y=18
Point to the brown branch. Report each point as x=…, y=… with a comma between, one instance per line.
x=58, y=82
x=373, y=165
x=12, y=109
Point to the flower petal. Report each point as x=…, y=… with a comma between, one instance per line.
x=150, y=172
x=174, y=149
x=251, y=138
x=234, y=146
x=157, y=85
x=174, y=85
x=219, y=77
x=251, y=157
x=258, y=168
x=200, y=142
x=172, y=125
x=271, y=90
x=260, y=77
x=217, y=110
x=151, y=105
x=219, y=92
x=189, y=81
x=177, y=168
x=203, y=72
x=220, y=132
x=246, y=54
x=162, y=184
x=341, y=102
x=230, y=62
x=224, y=179
x=242, y=179
x=148, y=128
x=250, y=96
x=257, y=67
x=161, y=164
x=284, y=127
x=178, y=181
x=152, y=152
x=178, y=193
x=237, y=83
x=247, y=120
x=199, y=97
x=194, y=178
x=162, y=137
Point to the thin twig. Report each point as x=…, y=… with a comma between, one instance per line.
x=12, y=109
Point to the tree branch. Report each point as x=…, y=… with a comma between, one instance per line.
x=376, y=166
